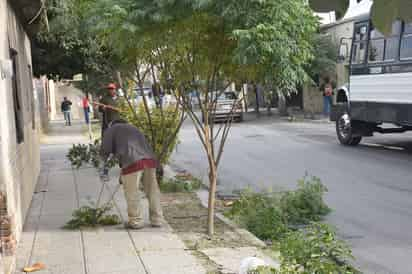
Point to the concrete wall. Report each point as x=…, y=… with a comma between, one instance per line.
x=19, y=163
x=312, y=99
x=41, y=93
x=338, y=31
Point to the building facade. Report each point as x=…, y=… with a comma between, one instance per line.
x=19, y=122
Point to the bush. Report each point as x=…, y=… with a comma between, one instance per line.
x=315, y=250
x=88, y=216
x=276, y=216
x=179, y=185
x=260, y=214
x=270, y=215
x=305, y=204
x=165, y=122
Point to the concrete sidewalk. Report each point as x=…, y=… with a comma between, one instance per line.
x=109, y=250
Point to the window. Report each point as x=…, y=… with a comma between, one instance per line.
x=381, y=49
x=406, y=42
x=359, y=43
x=18, y=111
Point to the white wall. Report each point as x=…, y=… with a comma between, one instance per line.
x=19, y=163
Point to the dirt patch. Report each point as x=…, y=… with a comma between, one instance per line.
x=188, y=218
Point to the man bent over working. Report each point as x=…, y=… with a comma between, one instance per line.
x=137, y=160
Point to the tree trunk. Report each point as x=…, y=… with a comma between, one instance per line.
x=212, y=179
x=282, y=105
x=244, y=97
x=160, y=173
x=211, y=204
x=255, y=88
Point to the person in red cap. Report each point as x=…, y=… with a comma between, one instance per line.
x=108, y=106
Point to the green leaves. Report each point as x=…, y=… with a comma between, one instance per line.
x=270, y=216
x=279, y=43
x=315, y=249
x=89, y=216
x=81, y=154
x=164, y=123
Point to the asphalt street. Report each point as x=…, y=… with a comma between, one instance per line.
x=370, y=186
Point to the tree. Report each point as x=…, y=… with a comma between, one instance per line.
x=325, y=56
x=69, y=48
x=204, y=46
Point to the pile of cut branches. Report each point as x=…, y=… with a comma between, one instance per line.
x=83, y=154
x=89, y=216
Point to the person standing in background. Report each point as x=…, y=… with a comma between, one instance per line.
x=108, y=106
x=66, y=108
x=86, y=108
x=327, y=90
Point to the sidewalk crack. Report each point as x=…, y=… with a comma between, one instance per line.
x=43, y=198
x=83, y=249
x=128, y=231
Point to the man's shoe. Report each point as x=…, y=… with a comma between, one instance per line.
x=133, y=225
x=157, y=223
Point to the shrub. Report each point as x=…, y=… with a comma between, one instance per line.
x=270, y=215
x=305, y=204
x=179, y=185
x=260, y=214
x=88, y=216
x=315, y=250
x=165, y=122
x=266, y=222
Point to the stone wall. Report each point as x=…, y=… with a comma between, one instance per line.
x=19, y=162
x=312, y=99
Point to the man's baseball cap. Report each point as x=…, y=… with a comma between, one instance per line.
x=111, y=86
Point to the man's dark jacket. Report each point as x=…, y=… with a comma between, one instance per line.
x=127, y=144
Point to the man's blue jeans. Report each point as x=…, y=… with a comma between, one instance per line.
x=327, y=103
x=86, y=115
x=67, y=117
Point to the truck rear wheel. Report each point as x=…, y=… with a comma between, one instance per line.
x=344, y=131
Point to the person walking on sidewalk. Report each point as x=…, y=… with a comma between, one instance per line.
x=137, y=160
x=86, y=108
x=66, y=108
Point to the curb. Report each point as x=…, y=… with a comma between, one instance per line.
x=298, y=119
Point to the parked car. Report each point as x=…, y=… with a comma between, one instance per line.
x=138, y=99
x=228, y=106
